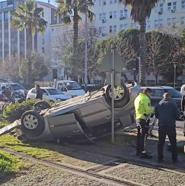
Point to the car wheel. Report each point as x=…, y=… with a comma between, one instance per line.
x=40, y=105
x=32, y=123
x=121, y=95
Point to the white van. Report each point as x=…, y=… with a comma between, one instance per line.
x=71, y=87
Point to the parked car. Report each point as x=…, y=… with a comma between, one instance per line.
x=158, y=91
x=15, y=87
x=18, y=92
x=49, y=94
x=71, y=87
x=88, y=115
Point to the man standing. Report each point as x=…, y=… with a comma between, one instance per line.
x=39, y=92
x=167, y=112
x=143, y=110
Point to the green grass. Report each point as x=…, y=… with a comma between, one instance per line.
x=4, y=123
x=9, y=164
x=31, y=149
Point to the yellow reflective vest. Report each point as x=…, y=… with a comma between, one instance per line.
x=142, y=106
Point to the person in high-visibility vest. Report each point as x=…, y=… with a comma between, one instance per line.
x=143, y=111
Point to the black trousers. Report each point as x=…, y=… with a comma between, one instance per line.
x=142, y=131
x=171, y=132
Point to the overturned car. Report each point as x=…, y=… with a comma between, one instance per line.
x=88, y=115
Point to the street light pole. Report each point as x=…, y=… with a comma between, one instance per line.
x=112, y=88
x=174, y=77
x=86, y=42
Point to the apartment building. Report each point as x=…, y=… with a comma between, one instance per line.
x=14, y=42
x=113, y=16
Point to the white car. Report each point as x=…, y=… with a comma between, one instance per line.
x=49, y=94
x=70, y=87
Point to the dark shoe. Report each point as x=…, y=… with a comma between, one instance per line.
x=146, y=156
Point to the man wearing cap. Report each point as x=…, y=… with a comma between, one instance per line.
x=143, y=110
x=167, y=113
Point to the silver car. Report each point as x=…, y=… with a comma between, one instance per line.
x=88, y=115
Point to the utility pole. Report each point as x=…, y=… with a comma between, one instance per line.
x=112, y=89
x=86, y=42
x=174, y=77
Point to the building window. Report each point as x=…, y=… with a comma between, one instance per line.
x=169, y=6
x=125, y=12
x=121, y=13
x=110, y=15
x=100, y=16
x=172, y=6
x=110, y=29
x=115, y=28
x=43, y=50
x=115, y=14
x=115, y=1
x=160, y=9
x=182, y=20
x=110, y=1
x=183, y=3
x=121, y=27
x=104, y=2
x=169, y=21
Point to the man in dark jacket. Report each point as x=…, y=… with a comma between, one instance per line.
x=167, y=112
x=39, y=92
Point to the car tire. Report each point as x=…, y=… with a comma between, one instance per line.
x=40, y=105
x=32, y=123
x=122, y=98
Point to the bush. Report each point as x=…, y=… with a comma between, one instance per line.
x=13, y=112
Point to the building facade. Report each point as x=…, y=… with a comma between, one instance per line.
x=14, y=42
x=113, y=16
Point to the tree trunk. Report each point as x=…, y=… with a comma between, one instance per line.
x=75, y=42
x=29, y=40
x=142, y=41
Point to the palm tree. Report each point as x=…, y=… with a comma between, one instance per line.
x=140, y=11
x=28, y=16
x=70, y=11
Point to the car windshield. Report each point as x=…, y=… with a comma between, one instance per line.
x=54, y=91
x=174, y=93
x=73, y=86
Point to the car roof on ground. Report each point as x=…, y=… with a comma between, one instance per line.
x=46, y=88
x=157, y=87
x=65, y=81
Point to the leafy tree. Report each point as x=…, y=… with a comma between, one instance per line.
x=70, y=11
x=38, y=67
x=28, y=16
x=140, y=11
x=79, y=64
x=10, y=68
